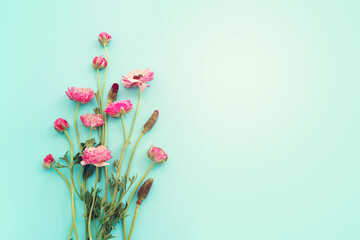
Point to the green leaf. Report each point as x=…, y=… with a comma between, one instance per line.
x=58, y=165
x=90, y=143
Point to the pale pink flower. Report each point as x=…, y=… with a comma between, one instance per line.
x=92, y=120
x=83, y=95
x=138, y=78
x=115, y=109
x=48, y=161
x=104, y=38
x=96, y=156
x=99, y=62
x=157, y=154
x=61, y=124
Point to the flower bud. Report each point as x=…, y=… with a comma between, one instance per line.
x=104, y=38
x=157, y=155
x=150, y=123
x=48, y=161
x=61, y=124
x=112, y=95
x=144, y=190
x=99, y=62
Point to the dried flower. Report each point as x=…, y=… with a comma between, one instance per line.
x=150, y=123
x=61, y=124
x=96, y=156
x=144, y=190
x=48, y=161
x=115, y=109
x=92, y=120
x=112, y=95
x=83, y=95
x=99, y=62
x=104, y=38
x=157, y=155
x=138, y=78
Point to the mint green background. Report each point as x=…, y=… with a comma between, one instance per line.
x=258, y=106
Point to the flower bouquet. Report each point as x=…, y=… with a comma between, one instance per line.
x=91, y=156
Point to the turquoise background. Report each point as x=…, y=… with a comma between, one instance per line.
x=258, y=106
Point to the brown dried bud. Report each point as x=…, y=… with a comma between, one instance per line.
x=144, y=190
x=112, y=95
x=150, y=123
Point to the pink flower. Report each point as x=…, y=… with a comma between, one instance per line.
x=92, y=120
x=138, y=78
x=61, y=124
x=48, y=161
x=115, y=109
x=157, y=154
x=104, y=38
x=99, y=62
x=83, y=95
x=96, y=156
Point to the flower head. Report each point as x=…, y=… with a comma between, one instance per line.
x=104, y=38
x=92, y=120
x=112, y=95
x=83, y=95
x=144, y=190
x=48, y=161
x=99, y=62
x=157, y=154
x=96, y=156
x=115, y=109
x=138, y=78
x=61, y=124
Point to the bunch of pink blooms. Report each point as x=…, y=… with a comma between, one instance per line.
x=92, y=155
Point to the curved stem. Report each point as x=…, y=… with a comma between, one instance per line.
x=72, y=227
x=137, y=110
x=72, y=186
x=62, y=175
x=99, y=134
x=123, y=125
x=72, y=181
x=90, y=133
x=98, y=78
x=105, y=126
x=92, y=204
x=132, y=155
x=107, y=55
x=134, y=220
x=81, y=184
x=76, y=129
x=132, y=195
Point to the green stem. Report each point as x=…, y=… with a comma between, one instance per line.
x=134, y=220
x=137, y=110
x=92, y=205
x=99, y=135
x=132, y=155
x=107, y=55
x=72, y=186
x=105, y=126
x=132, y=195
x=90, y=133
x=76, y=129
x=123, y=125
x=81, y=184
x=98, y=78
x=71, y=230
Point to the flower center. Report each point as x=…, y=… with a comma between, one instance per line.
x=138, y=76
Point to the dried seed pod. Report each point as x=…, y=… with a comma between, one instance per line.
x=144, y=190
x=150, y=123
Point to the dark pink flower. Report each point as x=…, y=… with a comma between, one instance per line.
x=61, y=124
x=48, y=161
x=83, y=95
x=115, y=109
x=157, y=154
x=104, y=38
x=92, y=120
x=96, y=156
x=138, y=78
x=99, y=62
